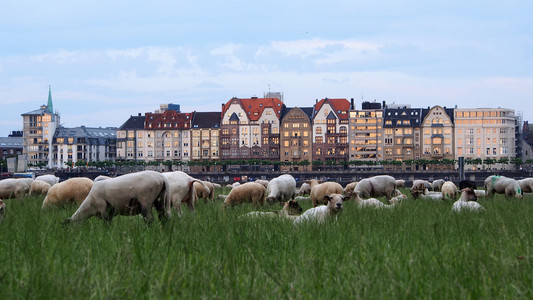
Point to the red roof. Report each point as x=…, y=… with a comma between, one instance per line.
x=341, y=107
x=169, y=119
x=254, y=107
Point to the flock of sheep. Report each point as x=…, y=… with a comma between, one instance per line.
x=138, y=193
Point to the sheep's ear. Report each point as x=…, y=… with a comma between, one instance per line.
x=327, y=197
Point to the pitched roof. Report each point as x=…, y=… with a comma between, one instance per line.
x=99, y=133
x=169, y=119
x=133, y=123
x=340, y=106
x=254, y=107
x=414, y=115
x=11, y=142
x=206, y=120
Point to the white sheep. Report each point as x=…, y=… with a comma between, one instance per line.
x=249, y=192
x=449, y=190
x=376, y=186
x=437, y=184
x=281, y=188
x=320, y=191
x=14, y=188
x=290, y=210
x=321, y=213
x=73, y=190
x=467, y=201
x=50, y=179
x=502, y=185
x=348, y=189
x=397, y=199
x=526, y=185
x=429, y=195
x=400, y=183
x=305, y=189
x=373, y=202
x=263, y=182
x=39, y=187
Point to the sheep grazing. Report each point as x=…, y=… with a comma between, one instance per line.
x=467, y=201
x=502, y=185
x=305, y=189
x=437, y=184
x=526, y=185
x=263, y=182
x=348, y=189
x=181, y=189
x=320, y=192
x=249, y=192
x=290, y=210
x=39, y=187
x=216, y=185
x=281, y=188
x=400, y=183
x=14, y=188
x=204, y=190
x=50, y=179
x=419, y=187
x=73, y=190
x=376, y=186
x=2, y=210
x=449, y=190
x=321, y=213
x=101, y=177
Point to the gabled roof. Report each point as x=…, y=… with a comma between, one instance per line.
x=308, y=111
x=448, y=111
x=169, y=119
x=395, y=115
x=331, y=116
x=38, y=112
x=254, y=107
x=133, y=123
x=206, y=120
x=340, y=106
x=234, y=117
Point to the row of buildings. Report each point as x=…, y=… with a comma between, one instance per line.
x=266, y=129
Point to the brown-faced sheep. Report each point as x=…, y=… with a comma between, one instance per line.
x=320, y=192
x=249, y=192
x=419, y=187
x=39, y=187
x=73, y=190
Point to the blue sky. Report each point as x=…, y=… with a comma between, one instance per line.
x=107, y=60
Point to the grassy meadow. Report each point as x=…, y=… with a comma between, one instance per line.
x=416, y=250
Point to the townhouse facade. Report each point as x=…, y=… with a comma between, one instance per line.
x=330, y=130
x=437, y=135
x=365, y=132
x=296, y=139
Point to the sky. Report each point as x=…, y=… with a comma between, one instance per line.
x=108, y=60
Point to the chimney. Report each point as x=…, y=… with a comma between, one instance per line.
x=352, y=104
x=139, y=114
x=383, y=103
x=316, y=101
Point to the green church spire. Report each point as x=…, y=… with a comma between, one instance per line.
x=50, y=105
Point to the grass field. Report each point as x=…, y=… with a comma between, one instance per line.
x=417, y=250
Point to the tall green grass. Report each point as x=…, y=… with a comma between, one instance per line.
x=417, y=250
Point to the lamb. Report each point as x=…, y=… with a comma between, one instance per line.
x=50, y=179
x=39, y=187
x=502, y=185
x=204, y=190
x=449, y=190
x=373, y=202
x=320, y=192
x=305, y=189
x=14, y=188
x=419, y=187
x=321, y=213
x=400, y=183
x=263, y=182
x=250, y=192
x=467, y=201
x=437, y=184
x=427, y=195
x=73, y=190
x=348, y=189
x=526, y=185
x=290, y=210
x=377, y=186
x=281, y=188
